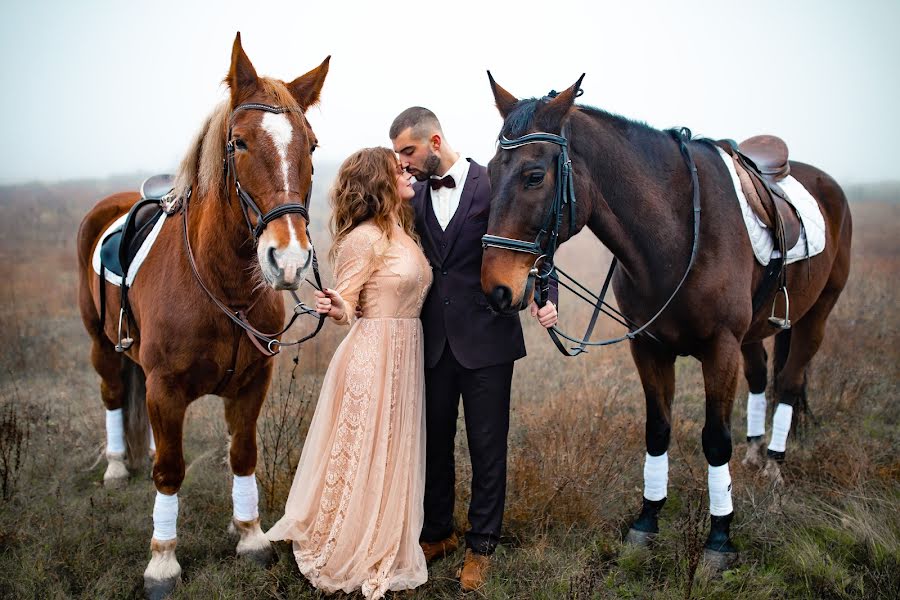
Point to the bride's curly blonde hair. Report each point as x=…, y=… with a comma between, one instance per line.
x=366, y=188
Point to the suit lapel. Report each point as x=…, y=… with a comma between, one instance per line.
x=465, y=203
x=422, y=208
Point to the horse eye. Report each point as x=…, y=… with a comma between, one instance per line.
x=240, y=144
x=534, y=180
x=313, y=148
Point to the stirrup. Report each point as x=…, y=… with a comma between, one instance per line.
x=784, y=323
x=124, y=342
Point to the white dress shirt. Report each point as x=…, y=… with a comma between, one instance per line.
x=445, y=200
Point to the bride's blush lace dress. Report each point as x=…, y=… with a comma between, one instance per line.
x=354, y=513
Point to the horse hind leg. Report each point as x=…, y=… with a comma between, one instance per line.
x=796, y=351
x=755, y=371
x=657, y=372
x=113, y=391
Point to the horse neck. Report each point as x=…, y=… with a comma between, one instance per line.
x=223, y=248
x=642, y=195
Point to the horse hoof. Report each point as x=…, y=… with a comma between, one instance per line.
x=263, y=557
x=116, y=475
x=253, y=545
x=774, y=472
x=640, y=539
x=719, y=561
x=157, y=589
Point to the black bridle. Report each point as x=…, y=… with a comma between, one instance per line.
x=247, y=202
x=267, y=343
x=545, y=244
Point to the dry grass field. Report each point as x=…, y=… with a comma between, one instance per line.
x=576, y=448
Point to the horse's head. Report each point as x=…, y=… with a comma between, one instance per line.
x=525, y=186
x=269, y=164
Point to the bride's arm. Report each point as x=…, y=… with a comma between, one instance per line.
x=354, y=264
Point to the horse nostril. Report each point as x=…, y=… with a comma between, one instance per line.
x=271, y=255
x=501, y=298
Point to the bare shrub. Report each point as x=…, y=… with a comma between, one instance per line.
x=15, y=433
x=281, y=432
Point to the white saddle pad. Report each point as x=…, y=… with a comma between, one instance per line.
x=142, y=253
x=761, y=238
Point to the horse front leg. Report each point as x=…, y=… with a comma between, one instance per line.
x=657, y=371
x=756, y=373
x=241, y=413
x=720, y=376
x=166, y=404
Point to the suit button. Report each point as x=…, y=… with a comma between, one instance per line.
x=443, y=244
x=443, y=272
x=446, y=300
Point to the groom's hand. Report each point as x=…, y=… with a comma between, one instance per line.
x=546, y=315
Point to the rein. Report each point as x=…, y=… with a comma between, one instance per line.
x=565, y=195
x=267, y=343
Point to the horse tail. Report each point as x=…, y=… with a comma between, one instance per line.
x=134, y=409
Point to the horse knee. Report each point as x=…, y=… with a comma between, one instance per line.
x=168, y=476
x=717, y=445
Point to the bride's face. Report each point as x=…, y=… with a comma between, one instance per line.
x=404, y=184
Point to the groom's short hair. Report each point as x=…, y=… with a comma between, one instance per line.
x=422, y=121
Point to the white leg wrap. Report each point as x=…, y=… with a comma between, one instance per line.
x=245, y=497
x=115, y=432
x=720, y=491
x=781, y=425
x=165, y=515
x=656, y=476
x=150, y=439
x=756, y=414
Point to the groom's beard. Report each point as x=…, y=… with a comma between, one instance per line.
x=428, y=169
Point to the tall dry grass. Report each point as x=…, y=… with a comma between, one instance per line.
x=575, y=460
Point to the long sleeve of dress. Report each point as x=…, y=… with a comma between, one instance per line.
x=355, y=262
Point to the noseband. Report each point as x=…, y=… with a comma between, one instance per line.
x=541, y=274
x=246, y=200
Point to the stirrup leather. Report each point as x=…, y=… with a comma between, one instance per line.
x=784, y=323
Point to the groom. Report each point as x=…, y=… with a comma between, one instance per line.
x=469, y=350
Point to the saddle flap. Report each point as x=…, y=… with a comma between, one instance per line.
x=141, y=219
x=790, y=221
x=769, y=153
x=157, y=187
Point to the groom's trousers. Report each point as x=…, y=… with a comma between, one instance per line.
x=485, y=393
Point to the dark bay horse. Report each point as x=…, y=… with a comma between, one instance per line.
x=184, y=346
x=633, y=186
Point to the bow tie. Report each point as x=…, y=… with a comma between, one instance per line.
x=446, y=181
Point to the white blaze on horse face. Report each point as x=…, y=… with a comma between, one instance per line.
x=279, y=128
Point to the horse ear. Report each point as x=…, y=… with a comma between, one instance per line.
x=242, y=78
x=559, y=107
x=306, y=88
x=504, y=100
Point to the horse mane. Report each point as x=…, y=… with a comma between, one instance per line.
x=201, y=168
x=524, y=114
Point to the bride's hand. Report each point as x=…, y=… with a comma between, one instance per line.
x=330, y=303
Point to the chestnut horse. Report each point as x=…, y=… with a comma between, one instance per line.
x=185, y=345
x=633, y=188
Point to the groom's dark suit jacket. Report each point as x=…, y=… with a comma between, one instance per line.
x=456, y=311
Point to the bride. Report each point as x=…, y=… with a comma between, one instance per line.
x=355, y=509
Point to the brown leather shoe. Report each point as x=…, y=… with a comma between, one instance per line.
x=475, y=571
x=436, y=550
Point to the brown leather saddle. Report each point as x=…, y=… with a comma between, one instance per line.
x=761, y=162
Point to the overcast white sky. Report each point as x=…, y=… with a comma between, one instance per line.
x=94, y=88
